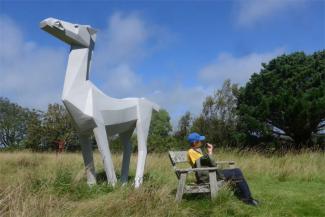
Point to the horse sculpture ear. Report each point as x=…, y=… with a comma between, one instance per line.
x=92, y=33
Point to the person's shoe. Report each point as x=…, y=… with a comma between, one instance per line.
x=252, y=202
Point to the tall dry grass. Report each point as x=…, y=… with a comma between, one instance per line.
x=33, y=184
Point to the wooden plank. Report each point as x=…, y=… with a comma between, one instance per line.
x=203, y=188
x=178, y=156
x=180, y=188
x=171, y=158
x=177, y=174
x=213, y=184
x=225, y=162
x=197, y=169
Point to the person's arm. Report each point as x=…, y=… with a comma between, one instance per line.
x=210, y=148
x=207, y=159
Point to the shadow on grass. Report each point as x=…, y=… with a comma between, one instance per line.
x=64, y=184
x=224, y=195
x=192, y=197
x=102, y=178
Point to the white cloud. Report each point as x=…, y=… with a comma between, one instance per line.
x=237, y=69
x=179, y=99
x=11, y=35
x=30, y=75
x=33, y=75
x=123, y=41
x=250, y=12
x=127, y=40
x=123, y=80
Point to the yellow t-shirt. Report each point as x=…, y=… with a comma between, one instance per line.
x=193, y=155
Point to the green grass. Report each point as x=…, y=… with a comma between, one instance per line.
x=33, y=184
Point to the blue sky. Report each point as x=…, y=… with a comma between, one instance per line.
x=173, y=52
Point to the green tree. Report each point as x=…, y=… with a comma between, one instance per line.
x=286, y=98
x=218, y=118
x=184, y=126
x=34, y=131
x=58, y=125
x=13, y=123
x=200, y=125
x=160, y=138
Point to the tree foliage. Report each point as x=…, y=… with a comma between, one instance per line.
x=58, y=125
x=34, y=131
x=13, y=123
x=184, y=126
x=218, y=118
x=286, y=98
x=160, y=137
x=39, y=131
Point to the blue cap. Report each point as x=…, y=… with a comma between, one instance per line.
x=193, y=137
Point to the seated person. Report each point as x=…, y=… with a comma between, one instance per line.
x=198, y=159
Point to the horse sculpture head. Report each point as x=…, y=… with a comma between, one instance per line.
x=72, y=34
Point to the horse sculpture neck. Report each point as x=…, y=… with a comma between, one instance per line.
x=77, y=72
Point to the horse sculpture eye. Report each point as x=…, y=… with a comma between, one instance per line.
x=58, y=25
x=76, y=26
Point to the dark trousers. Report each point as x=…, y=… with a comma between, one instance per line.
x=240, y=185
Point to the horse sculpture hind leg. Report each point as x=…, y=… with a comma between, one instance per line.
x=87, y=154
x=127, y=149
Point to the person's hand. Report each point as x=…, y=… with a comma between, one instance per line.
x=210, y=148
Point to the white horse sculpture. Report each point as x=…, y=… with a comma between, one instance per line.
x=93, y=111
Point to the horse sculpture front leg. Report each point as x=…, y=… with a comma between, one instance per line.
x=143, y=125
x=103, y=146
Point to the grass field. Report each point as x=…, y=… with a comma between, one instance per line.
x=45, y=185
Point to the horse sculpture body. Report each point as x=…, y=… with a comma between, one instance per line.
x=93, y=111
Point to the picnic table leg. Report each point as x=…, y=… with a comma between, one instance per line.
x=181, y=185
x=213, y=184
